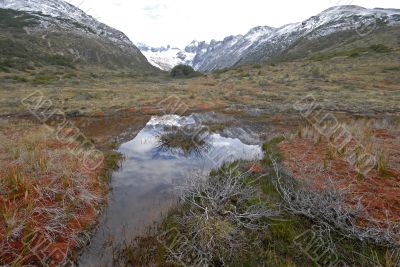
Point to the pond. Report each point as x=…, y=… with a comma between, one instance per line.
x=157, y=162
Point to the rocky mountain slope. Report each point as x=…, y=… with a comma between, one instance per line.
x=42, y=32
x=336, y=24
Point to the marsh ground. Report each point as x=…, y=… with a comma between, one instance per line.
x=366, y=84
x=110, y=107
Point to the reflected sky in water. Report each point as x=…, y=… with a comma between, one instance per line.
x=145, y=185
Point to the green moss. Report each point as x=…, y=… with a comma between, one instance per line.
x=269, y=190
x=271, y=150
x=283, y=229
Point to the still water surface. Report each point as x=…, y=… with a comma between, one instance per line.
x=146, y=185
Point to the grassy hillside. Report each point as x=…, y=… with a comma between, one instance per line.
x=347, y=43
x=26, y=44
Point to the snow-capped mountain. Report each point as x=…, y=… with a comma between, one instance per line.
x=263, y=43
x=72, y=33
x=166, y=58
x=63, y=10
x=356, y=20
x=226, y=53
x=196, y=54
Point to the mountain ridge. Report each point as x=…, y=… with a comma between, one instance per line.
x=57, y=28
x=263, y=42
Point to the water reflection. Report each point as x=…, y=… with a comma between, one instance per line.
x=143, y=187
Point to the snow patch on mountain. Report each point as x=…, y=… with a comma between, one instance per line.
x=166, y=58
x=78, y=36
x=263, y=42
x=48, y=9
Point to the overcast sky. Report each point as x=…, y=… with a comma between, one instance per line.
x=178, y=22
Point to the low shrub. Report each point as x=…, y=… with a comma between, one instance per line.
x=183, y=71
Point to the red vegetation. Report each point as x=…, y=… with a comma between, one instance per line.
x=378, y=192
x=47, y=198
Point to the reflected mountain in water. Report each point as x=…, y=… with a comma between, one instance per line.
x=145, y=185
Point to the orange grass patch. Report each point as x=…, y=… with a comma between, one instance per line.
x=47, y=198
x=312, y=161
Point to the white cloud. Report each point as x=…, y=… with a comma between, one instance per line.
x=178, y=22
